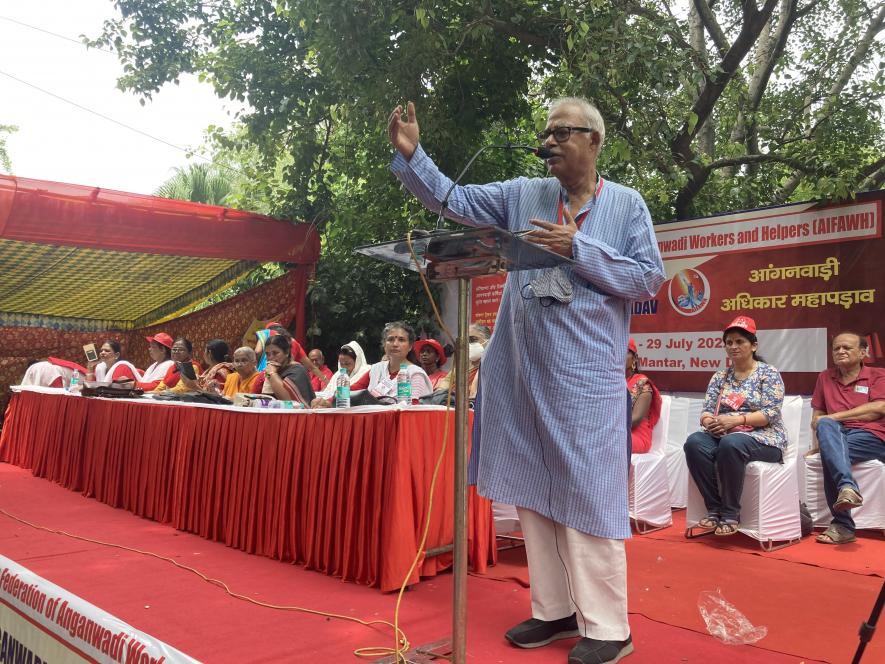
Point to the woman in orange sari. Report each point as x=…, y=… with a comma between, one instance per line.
x=244, y=378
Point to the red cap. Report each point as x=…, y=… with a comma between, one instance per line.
x=434, y=344
x=161, y=338
x=743, y=322
x=272, y=324
x=631, y=345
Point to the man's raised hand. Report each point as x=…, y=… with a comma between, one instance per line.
x=403, y=135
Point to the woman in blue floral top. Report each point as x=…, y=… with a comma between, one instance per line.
x=742, y=423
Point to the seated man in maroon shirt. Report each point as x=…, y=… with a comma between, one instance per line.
x=848, y=404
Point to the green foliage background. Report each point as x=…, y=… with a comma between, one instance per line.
x=710, y=107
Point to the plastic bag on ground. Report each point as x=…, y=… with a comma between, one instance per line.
x=725, y=622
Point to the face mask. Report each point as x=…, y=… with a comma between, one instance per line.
x=475, y=352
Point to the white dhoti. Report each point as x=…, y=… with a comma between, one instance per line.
x=573, y=572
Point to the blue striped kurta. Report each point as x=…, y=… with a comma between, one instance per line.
x=554, y=397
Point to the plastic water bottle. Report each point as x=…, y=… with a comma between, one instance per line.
x=403, y=385
x=74, y=385
x=342, y=389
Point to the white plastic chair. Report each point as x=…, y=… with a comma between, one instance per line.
x=649, y=482
x=677, y=468
x=870, y=478
x=770, y=499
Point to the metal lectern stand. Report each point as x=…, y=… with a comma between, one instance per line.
x=460, y=255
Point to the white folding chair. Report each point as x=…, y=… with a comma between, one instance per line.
x=770, y=499
x=870, y=478
x=649, y=484
x=677, y=468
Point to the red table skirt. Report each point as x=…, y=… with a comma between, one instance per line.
x=342, y=493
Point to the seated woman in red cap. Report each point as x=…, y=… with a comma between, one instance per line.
x=646, y=401
x=742, y=423
x=160, y=351
x=431, y=357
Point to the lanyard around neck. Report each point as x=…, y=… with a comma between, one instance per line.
x=579, y=220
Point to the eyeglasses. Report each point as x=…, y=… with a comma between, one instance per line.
x=561, y=134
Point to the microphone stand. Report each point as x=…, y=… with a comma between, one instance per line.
x=869, y=627
x=541, y=153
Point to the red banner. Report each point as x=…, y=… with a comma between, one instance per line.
x=803, y=272
x=485, y=298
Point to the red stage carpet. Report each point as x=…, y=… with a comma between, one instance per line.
x=812, y=613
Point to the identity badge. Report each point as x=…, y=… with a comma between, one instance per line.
x=863, y=389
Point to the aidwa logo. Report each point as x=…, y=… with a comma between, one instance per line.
x=689, y=292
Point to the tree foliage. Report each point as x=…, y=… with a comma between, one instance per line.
x=5, y=161
x=197, y=182
x=710, y=105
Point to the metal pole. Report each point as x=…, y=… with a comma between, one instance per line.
x=459, y=617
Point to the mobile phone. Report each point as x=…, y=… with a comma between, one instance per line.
x=91, y=354
x=186, y=369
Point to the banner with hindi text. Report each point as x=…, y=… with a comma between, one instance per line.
x=803, y=272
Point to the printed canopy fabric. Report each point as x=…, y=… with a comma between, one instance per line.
x=89, y=259
x=72, y=288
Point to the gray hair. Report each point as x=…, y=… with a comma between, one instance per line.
x=592, y=114
x=249, y=352
x=482, y=329
x=398, y=325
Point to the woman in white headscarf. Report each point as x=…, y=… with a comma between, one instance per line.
x=352, y=358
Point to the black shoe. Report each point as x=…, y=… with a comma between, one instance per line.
x=534, y=633
x=593, y=651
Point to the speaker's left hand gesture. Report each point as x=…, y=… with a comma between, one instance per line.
x=555, y=237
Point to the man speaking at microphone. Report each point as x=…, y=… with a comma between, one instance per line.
x=555, y=438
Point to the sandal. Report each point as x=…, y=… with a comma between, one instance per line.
x=709, y=522
x=726, y=528
x=847, y=499
x=836, y=534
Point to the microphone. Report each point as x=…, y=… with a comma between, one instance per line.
x=540, y=152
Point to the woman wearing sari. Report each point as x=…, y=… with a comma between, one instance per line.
x=215, y=355
x=284, y=379
x=110, y=368
x=160, y=351
x=182, y=352
x=245, y=378
x=381, y=380
x=351, y=358
x=646, y=401
x=298, y=353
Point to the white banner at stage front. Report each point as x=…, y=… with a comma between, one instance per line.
x=41, y=622
x=789, y=350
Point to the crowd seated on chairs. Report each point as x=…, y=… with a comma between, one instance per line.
x=645, y=402
x=741, y=423
x=398, y=339
x=848, y=420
